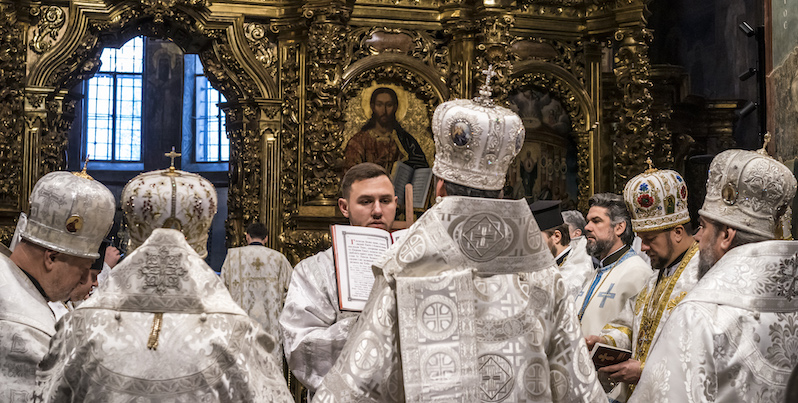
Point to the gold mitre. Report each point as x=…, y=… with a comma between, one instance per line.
x=657, y=199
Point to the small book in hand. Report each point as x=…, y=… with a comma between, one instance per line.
x=604, y=355
x=354, y=250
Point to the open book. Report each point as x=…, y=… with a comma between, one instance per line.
x=604, y=355
x=420, y=178
x=355, y=249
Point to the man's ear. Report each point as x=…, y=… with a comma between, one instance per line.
x=726, y=237
x=440, y=189
x=343, y=205
x=556, y=237
x=50, y=256
x=620, y=228
x=677, y=234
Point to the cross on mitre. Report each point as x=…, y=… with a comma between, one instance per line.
x=172, y=154
x=484, y=91
x=489, y=73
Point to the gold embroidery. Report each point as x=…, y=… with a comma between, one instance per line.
x=641, y=300
x=656, y=305
x=676, y=300
x=152, y=342
x=623, y=329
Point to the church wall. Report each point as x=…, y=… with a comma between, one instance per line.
x=703, y=37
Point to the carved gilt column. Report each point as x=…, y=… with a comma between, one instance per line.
x=493, y=46
x=244, y=193
x=12, y=123
x=634, y=137
x=457, y=23
x=322, y=140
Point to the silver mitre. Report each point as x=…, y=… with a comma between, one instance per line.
x=69, y=213
x=748, y=190
x=475, y=141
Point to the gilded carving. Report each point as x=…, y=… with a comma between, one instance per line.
x=290, y=77
x=51, y=19
x=302, y=244
x=264, y=49
x=322, y=142
x=12, y=65
x=244, y=193
x=634, y=137
x=493, y=50
x=369, y=41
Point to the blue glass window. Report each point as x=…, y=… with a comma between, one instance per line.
x=113, y=105
x=210, y=138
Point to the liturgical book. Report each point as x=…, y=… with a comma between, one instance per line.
x=604, y=355
x=420, y=178
x=355, y=249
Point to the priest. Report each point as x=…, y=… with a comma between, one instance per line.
x=468, y=305
x=657, y=200
x=619, y=274
x=162, y=327
x=734, y=337
x=313, y=325
x=70, y=214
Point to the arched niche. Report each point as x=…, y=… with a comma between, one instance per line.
x=563, y=86
x=240, y=60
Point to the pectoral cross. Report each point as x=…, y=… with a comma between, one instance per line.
x=172, y=155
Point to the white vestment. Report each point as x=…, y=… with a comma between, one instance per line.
x=577, y=266
x=26, y=325
x=314, y=329
x=734, y=337
x=161, y=328
x=258, y=279
x=640, y=323
x=467, y=306
x=608, y=289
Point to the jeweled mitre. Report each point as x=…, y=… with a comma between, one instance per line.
x=475, y=142
x=748, y=190
x=170, y=198
x=69, y=213
x=657, y=200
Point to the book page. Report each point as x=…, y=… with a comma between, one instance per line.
x=355, y=249
x=397, y=235
x=422, y=179
x=402, y=174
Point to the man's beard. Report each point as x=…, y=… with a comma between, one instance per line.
x=659, y=262
x=598, y=248
x=706, y=259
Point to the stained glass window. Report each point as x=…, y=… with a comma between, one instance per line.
x=113, y=104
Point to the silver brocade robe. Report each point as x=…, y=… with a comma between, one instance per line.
x=619, y=283
x=640, y=323
x=577, y=266
x=208, y=349
x=26, y=325
x=734, y=337
x=258, y=279
x=507, y=334
x=314, y=329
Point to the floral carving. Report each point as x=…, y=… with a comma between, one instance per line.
x=51, y=19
